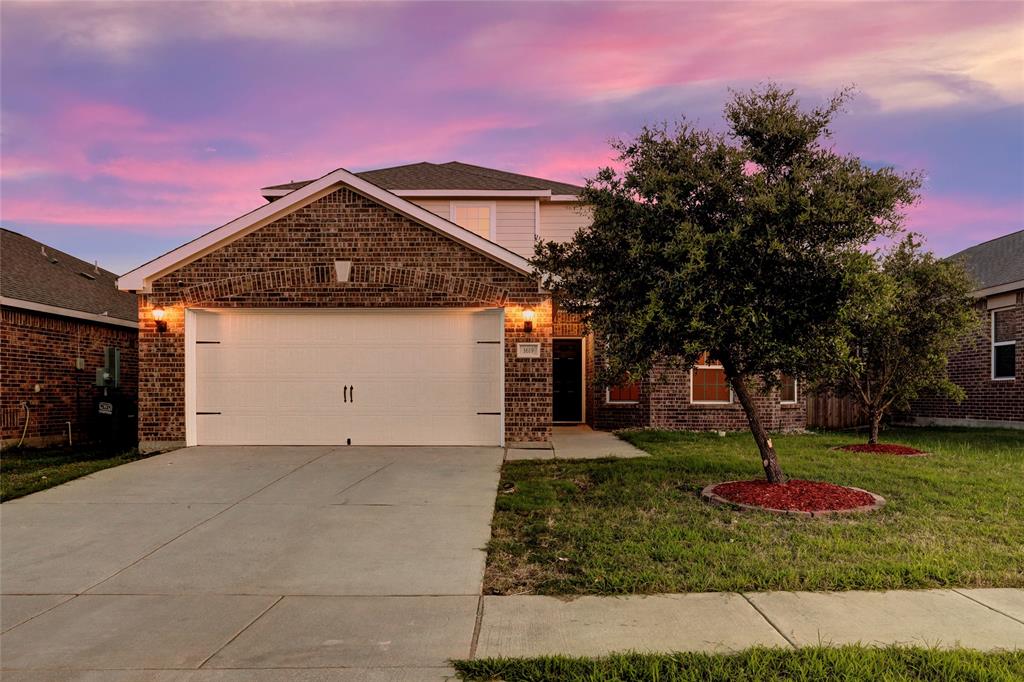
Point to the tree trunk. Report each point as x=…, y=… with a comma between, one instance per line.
x=769, y=460
x=875, y=421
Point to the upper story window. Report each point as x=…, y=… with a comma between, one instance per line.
x=708, y=383
x=476, y=216
x=626, y=392
x=787, y=389
x=1004, y=345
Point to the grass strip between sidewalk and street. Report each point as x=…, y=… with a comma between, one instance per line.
x=843, y=664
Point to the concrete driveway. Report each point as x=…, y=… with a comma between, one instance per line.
x=220, y=562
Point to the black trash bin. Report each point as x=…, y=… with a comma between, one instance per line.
x=115, y=419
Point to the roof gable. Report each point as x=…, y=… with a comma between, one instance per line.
x=140, y=278
x=33, y=272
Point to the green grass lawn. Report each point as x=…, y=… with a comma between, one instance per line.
x=955, y=518
x=848, y=663
x=31, y=470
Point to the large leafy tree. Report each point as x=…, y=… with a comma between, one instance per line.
x=908, y=313
x=736, y=245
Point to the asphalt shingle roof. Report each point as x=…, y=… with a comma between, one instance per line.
x=28, y=275
x=997, y=261
x=451, y=175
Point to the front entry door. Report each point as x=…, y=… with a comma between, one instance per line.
x=567, y=382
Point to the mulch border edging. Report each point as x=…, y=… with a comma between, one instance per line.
x=841, y=448
x=709, y=496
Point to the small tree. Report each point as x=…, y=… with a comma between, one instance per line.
x=909, y=311
x=733, y=245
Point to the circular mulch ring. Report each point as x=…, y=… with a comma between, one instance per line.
x=883, y=449
x=796, y=497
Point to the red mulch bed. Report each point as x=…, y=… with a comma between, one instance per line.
x=794, y=495
x=882, y=449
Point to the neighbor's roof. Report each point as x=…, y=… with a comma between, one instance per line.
x=995, y=262
x=44, y=278
x=452, y=175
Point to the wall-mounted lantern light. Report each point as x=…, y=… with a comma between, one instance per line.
x=158, y=314
x=527, y=320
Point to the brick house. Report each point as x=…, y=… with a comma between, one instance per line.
x=988, y=366
x=392, y=306
x=59, y=316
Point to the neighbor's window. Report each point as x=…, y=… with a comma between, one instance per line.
x=474, y=216
x=1004, y=345
x=787, y=391
x=707, y=382
x=627, y=392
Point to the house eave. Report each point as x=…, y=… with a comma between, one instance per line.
x=32, y=306
x=998, y=289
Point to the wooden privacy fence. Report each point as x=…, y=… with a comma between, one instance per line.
x=827, y=411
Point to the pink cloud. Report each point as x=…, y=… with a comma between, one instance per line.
x=523, y=87
x=164, y=184
x=619, y=50
x=953, y=223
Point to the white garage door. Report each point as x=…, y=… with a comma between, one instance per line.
x=399, y=377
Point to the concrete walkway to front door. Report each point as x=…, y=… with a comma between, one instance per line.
x=241, y=563
x=576, y=442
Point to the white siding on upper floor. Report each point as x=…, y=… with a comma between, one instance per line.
x=515, y=225
x=441, y=207
x=560, y=221
x=514, y=218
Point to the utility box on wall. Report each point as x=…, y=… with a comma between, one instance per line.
x=110, y=373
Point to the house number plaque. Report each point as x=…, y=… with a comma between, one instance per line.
x=527, y=350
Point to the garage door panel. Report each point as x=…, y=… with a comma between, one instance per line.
x=439, y=397
x=279, y=377
x=433, y=430
x=250, y=429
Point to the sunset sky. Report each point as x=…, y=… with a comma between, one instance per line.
x=130, y=128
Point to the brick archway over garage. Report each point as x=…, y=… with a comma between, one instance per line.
x=323, y=274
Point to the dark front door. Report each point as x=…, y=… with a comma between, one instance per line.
x=567, y=382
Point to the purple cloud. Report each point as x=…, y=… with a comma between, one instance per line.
x=147, y=123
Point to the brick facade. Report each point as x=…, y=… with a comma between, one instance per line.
x=671, y=407
x=664, y=400
x=998, y=401
x=41, y=349
x=288, y=263
x=604, y=415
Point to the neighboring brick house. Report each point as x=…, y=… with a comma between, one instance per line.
x=392, y=306
x=59, y=315
x=990, y=363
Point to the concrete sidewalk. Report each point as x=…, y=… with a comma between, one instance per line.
x=985, y=619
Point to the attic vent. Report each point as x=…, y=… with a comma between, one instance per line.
x=87, y=275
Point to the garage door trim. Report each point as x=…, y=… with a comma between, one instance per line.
x=191, y=323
